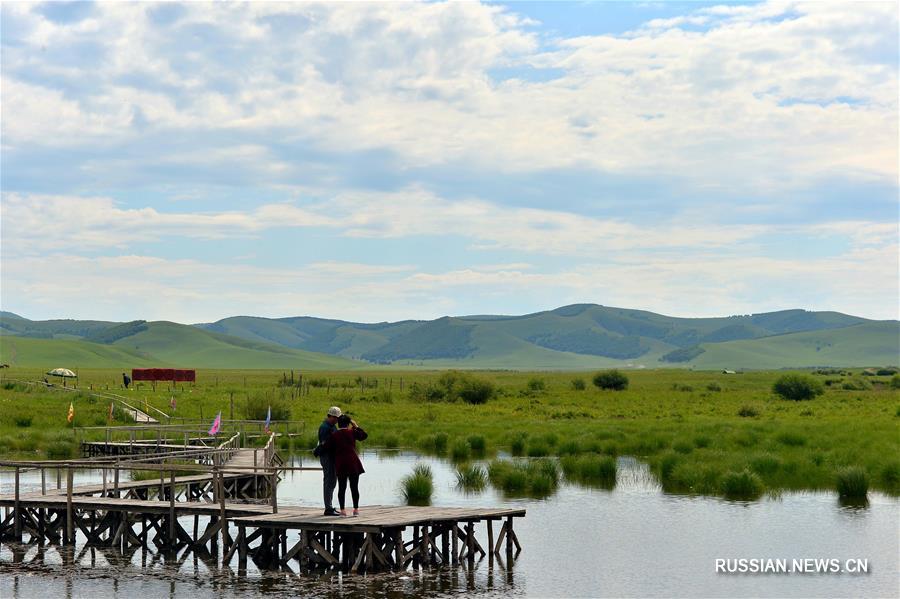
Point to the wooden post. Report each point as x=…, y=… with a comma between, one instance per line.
x=222, y=518
x=17, y=513
x=274, y=485
x=70, y=529
x=509, y=534
x=104, y=482
x=116, y=478
x=470, y=542
x=398, y=550
x=490, y=527
x=172, y=507
x=43, y=482
x=58, y=480
x=455, y=536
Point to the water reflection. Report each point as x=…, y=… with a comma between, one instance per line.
x=631, y=540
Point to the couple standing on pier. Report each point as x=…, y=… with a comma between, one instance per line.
x=336, y=451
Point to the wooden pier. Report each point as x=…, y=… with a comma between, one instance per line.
x=228, y=512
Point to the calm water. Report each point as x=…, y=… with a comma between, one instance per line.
x=632, y=541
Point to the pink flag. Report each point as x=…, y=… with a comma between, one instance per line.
x=172, y=403
x=214, y=429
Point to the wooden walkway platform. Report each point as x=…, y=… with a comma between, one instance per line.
x=236, y=491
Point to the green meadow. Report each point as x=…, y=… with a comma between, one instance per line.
x=701, y=432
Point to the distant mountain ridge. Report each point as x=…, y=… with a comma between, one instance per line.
x=575, y=336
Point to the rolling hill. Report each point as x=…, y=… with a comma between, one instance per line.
x=161, y=343
x=579, y=336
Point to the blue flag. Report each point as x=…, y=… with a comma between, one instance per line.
x=268, y=419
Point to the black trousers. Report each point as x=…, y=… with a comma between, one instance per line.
x=354, y=489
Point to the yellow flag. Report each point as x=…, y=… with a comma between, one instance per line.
x=71, y=415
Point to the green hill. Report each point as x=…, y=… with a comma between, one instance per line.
x=579, y=336
x=161, y=344
x=868, y=344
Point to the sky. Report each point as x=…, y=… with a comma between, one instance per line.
x=372, y=162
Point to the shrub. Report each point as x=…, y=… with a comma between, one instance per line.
x=257, y=406
x=579, y=384
x=714, y=386
x=390, y=441
x=748, y=411
x=418, y=486
x=741, y=485
x=24, y=421
x=856, y=384
x=453, y=386
x=852, y=482
x=680, y=387
x=702, y=441
x=471, y=477
x=797, y=387
x=476, y=391
x=611, y=379
x=536, y=385
x=895, y=381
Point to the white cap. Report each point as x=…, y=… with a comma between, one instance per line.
x=334, y=411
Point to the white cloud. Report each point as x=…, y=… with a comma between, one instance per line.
x=754, y=98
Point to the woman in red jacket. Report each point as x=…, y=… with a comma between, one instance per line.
x=346, y=461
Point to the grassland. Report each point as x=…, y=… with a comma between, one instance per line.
x=687, y=425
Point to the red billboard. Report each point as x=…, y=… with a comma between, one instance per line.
x=163, y=374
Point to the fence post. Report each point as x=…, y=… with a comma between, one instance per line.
x=43, y=481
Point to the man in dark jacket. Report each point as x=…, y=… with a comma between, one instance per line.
x=326, y=459
x=126, y=380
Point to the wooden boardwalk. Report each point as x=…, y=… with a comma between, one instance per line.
x=238, y=494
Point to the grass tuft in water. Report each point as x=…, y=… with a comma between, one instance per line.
x=460, y=451
x=852, y=482
x=592, y=469
x=418, y=487
x=471, y=477
x=741, y=485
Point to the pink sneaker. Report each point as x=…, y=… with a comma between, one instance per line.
x=355, y=513
x=343, y=513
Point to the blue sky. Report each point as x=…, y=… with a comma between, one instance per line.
x=377, y=162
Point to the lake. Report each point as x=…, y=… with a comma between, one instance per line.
x=634, y=540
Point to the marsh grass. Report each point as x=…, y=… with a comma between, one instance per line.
x=591, y=469
x=647, y=420
x=852, y=482
x=460, y=450
x=741, y=485
x=533, y=478
x=477, y=444
x=471, y=477
x=418, y=486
